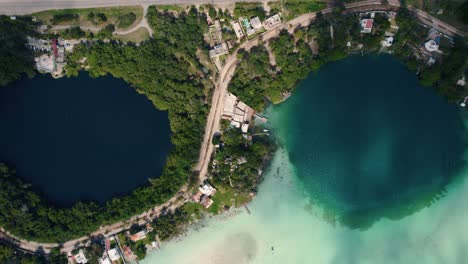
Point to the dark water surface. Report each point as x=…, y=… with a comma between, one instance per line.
x=81, y=138
x=366, y=140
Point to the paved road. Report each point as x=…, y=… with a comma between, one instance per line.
x=23, y=7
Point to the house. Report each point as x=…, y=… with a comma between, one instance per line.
x=80, y=258
x=45, y=63
x=241, y=160
x=461, y=82
x=218, y=50
x=245, y=128
x=13, y=18
x=113, y=254
x=432, y=44
x=237, y=29
x=138, y=236
x=206, y=201
x=271, y=22
x=366, y=25
x=207, y=189
x=388, y=41
x=104, y=260
x=129, y=255
x=229, y=106
x=256, y=23
x=196, y=198
x=247, y=26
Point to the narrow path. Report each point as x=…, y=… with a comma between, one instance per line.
x=142, y=24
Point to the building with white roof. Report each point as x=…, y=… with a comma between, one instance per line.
x=388, y=41
x=229, y=105
x=237, y=29
x=218, y=50
x=272, y=21
x=256, y=23
x=207, y=189
x=245, y=128
x=80, y=258
x=432, y=45
x=113, y=254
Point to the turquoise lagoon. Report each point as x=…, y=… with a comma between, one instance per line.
x=370, y=169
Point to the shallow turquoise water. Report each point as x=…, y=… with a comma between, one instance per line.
x=289, y=224
x=365, y=138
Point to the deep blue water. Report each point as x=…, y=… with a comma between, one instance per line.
x=81, y=138
x=365, y=138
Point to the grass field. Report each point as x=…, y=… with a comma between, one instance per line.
x=136, y=36
x=293, y=8
x=112, y=14
x=177, y=8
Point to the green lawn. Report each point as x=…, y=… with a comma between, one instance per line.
x=112, y=14
x=136, y=36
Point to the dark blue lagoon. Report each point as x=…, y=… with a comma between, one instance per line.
x=367, y=141
x=81, y=138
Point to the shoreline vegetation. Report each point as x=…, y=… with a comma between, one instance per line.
x=170, y=71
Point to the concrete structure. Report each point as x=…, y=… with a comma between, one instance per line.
x=461, y=82
x=366, y=25
x=237, y=29
x=230, y=101
x=245, y=128
x=80, y=258
x=272, y=21
x=256, y=23
x=45, y=63
x=388, y=41
x=206, y=201
x=138, y=236
x=113, y=254
x=218, y=50
x=248, y=28
x=432, y=45
x=207, y=189
x=241, y=160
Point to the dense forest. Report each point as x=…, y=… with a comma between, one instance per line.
x=230, y=171
x=255, y=76
x=166, y=70
x=15, y=58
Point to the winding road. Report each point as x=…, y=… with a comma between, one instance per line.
x=217, y=104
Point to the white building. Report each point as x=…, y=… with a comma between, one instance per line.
x=113, y=254
x=45, y=63
x=80, y=258
x=272, y=21
x=207, y=189
x=388, y=41
x=245, y=128
x=431, y=45
x=218, y=50
x=237, y=29
x=256, y=23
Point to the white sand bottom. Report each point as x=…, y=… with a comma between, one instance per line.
x=285, y=228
